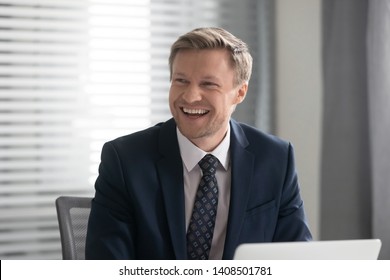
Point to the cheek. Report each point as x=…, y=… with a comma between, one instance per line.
x=223, y=107
x=171, y=95
x=174, y=91
x=171, y=99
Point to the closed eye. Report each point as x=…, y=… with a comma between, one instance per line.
x=210, y=84
x=181, y=81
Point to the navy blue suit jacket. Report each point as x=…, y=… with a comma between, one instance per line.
x=138, y=208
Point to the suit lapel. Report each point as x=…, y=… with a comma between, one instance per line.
x=242, y=162
x=170, y=169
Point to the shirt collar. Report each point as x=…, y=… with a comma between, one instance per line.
x=191, y=154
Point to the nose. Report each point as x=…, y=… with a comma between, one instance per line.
x=192, y=93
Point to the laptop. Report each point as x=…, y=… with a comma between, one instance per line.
x=356, y=249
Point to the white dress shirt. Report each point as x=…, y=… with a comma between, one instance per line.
x=191, y=155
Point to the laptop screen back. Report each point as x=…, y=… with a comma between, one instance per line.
x=359, y=249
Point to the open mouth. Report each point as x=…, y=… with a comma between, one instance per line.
x=194, y=112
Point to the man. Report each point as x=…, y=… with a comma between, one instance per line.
x=148, y=181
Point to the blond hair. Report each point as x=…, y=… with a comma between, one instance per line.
x=217, y=38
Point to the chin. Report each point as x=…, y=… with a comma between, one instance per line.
x=191, y=133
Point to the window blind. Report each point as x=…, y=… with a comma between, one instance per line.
x=42, y=152
x=73, y=75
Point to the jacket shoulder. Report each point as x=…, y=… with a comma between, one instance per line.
x=143, y=141
x=257, y=139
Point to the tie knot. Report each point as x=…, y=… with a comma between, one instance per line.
x=209, y=164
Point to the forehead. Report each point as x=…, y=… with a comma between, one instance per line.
x=208, y=60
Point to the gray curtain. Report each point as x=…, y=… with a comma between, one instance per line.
x=378, y=43
x=352, y=202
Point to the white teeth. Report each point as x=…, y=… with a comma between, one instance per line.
x=194, y=111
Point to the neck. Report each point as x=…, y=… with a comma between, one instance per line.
x=209, y=143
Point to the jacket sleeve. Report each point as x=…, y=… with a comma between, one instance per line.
x=292, y=224
x=111, y=224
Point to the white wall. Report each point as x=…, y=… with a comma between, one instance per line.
x=299, y=93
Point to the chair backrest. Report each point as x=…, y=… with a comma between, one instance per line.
x=73, y=214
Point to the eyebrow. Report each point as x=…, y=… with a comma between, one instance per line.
x=208, y=77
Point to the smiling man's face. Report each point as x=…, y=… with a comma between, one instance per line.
x=203, y=95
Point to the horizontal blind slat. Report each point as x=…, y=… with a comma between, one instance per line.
x=29, y=247
x=49, y=25
x=68, y=187
x=45, y=12
x=28, y=235
x=53, y=37
x=43, y=93
x=56, y=3
x=27, y=225
x=41, y=60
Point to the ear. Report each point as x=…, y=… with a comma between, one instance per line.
x=241, y=93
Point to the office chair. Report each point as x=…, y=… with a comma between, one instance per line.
x=73, y=213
